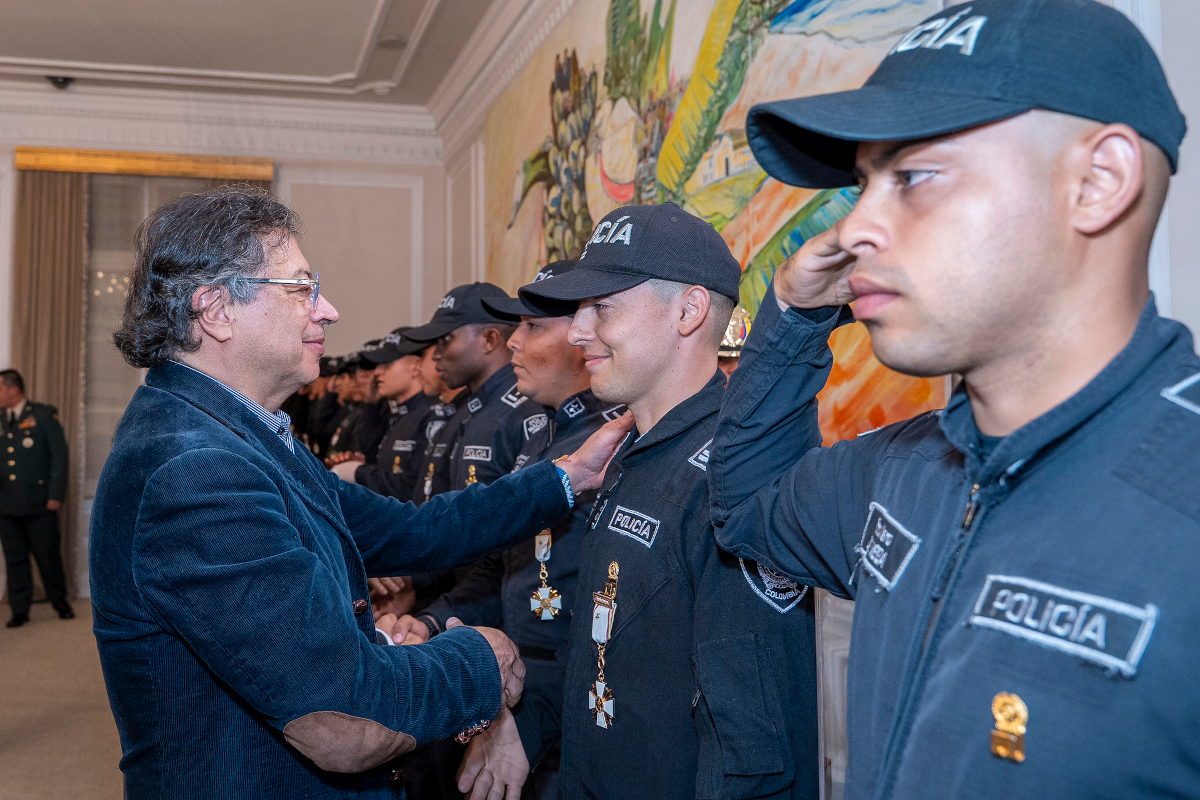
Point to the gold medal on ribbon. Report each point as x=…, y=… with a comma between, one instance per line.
x=604, y=612
x=546, y=602
x=1008, y=739
x=396, y=466
x=471, y=475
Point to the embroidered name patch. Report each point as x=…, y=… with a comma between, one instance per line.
x=1186, y=393
x=634, y=524
x=574, y=408
x=512, y=397
x=886, y=547
x=477, y=453
x=534, y=424
x=403, y=446
x=474, y=404
x=1098, y=629
x=699, y=458
x=780, y=592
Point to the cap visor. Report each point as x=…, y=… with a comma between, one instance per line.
x=511, y=309
x=813, y=141
x=432, y=331
x=384, y=355
x=560, y=295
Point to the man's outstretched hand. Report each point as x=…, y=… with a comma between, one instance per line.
x=508, y=659
x=495, y=766
x=818, y=274
x=585, y=467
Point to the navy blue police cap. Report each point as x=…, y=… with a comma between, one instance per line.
x=329, y=365
x=969, y=65
x=462, y=305
x=513, y=308
x=394, y=346
x=364, y=352
x=634, y=244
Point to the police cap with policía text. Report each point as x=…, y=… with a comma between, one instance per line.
x=393, y=346
x=634, y=244
x=969, y=65
x=462, y=305
x=513, y=308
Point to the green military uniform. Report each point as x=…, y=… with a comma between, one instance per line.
x=34, y=472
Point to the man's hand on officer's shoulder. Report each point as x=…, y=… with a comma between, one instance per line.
x=818, y=274
x=512, y=668
x=585, y=467
x=495, y=765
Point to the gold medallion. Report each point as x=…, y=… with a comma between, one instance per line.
x=546, y=602
x=471, y=475
x=1008, y=739
x=429, y=482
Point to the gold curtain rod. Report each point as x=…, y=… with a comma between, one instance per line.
x=120, y=162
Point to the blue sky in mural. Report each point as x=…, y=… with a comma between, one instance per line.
x=835, y=16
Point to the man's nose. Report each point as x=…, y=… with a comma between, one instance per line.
x=579, y=333
x=865, y=228
x=324, y=313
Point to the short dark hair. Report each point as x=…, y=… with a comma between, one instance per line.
x=10, y=377
x=214, y=238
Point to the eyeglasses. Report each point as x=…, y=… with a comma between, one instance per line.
x=314, y=282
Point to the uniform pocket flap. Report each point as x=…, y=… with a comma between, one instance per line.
x=744, y=703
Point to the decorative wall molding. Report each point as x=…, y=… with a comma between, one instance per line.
x=193, y=122
x=348, y=82
x=467, y=222
x=507, y=37
x=415, y=184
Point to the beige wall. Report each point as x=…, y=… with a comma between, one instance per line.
x=1180, y=27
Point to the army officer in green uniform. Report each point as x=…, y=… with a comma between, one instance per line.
x=32, y=486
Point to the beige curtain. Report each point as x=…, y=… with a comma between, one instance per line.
x=50, y=286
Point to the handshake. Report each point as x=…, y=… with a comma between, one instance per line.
x=495, y=766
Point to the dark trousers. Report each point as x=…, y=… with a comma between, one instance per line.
x=37, y=534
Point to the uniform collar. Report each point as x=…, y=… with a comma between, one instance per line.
x=1153, y=337
x=497, y=385
x=415, y=404
x=20, y=407
x=578, y=409
x=681, y=418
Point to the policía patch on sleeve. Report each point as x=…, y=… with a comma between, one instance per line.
x=1186, y=393
x=1097, y=629
x=781, y=592
x=886, y=547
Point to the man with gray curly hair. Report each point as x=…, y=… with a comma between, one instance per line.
x=229, y=568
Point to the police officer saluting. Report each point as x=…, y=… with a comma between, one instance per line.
x=31, y=493
x=1023, y=562
x=691, y=673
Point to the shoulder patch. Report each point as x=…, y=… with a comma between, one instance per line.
x=886, y=547
x=634, y=524
x=1097, y=629
x=699, y=459
x=1186, y=393
x=534, y=424
x=474, y=404
x=780, y=592
x=512, y=397
x=574, y=408
x=433, y=428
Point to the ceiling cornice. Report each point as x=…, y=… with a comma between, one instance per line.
x=195, y=122
x=347, y=83
x=507, y=37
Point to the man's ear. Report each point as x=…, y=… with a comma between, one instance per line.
x=212, y=305
x=694, y=305
x=494, y=339
x=1110, y=178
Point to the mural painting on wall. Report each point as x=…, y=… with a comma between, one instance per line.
x=648, y=103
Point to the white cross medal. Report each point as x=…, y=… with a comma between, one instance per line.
x=546, y=602
x=604, y=611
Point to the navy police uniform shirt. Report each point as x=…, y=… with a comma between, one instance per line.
x=711, y=661
x=496, y=428
x=1060, y=569
x=497, y=592
x=441, y=432
x=393, y=472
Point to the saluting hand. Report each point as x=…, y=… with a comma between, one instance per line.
x=818, y=274
x=586, y=466
x=512, y=668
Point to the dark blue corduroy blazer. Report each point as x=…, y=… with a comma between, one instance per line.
x=224, y=569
